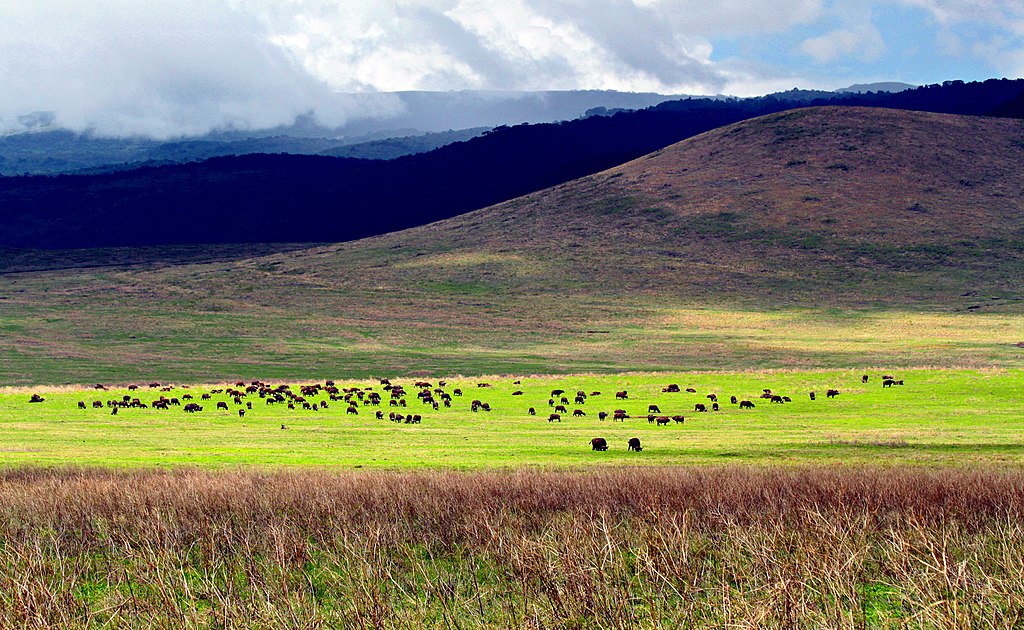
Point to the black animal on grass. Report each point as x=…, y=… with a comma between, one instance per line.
x=634, y=445
x=746, y=404
x=832, y=393
x=599, y=444
x=553, y=417
x=701, y=407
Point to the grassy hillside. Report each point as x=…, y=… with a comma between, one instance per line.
x=819, y=238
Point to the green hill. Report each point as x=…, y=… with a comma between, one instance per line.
x=823, y=237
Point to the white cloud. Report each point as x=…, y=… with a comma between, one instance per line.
x=161, y=68
x=865, y=43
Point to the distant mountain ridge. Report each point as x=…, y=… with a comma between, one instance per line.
x=291, y=198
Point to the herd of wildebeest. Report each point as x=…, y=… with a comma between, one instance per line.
x=432, y=396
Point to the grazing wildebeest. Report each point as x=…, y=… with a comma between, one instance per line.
x=580, y=400
x=113, y=411
x=554, y=417
x=634, y=445
x=222, y=405
x=203, y=397
x=887, y=376
x=679, y=419
x=532, y=411
x=888, y=382
x=561, y=409
x=241, y=413
x=712, y=397
x=691, y=390
x=663, y=420
x=700, y=407
x=832, y=393
x=576, y=413
x=352, y=410
x=620, y=414
x=564, y=400
x=414, y=419
x=732, y=399
x=380, y=415
x=623, y=395
x=599, y=444
x=601, y=415
x=36, y=398
x=192, y=408
x=714, y=407
x=776, y=399
x=650, y=418
x=551, y=402
x=653, y=409
x=81, y=404
x=671, y=389
x=557, y=392
x=457, y=392
x=188, y=397
x=517, y=393
x=746, y=404
x=864, y=379
x=812, y=395
x=97, y=404
x=787, y=399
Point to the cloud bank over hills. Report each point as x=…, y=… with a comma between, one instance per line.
x=169, y=68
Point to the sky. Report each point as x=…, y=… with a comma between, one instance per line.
x=167, y=68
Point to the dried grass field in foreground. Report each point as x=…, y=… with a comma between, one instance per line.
x=624, y=547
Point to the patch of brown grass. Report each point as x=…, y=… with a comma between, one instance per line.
x=619, y=548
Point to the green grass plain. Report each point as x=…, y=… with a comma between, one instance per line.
x=940, y=417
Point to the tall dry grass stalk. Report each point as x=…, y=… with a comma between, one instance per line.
x=736, y=547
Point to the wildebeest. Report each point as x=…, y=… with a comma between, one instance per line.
x=663, y=420
x=601, y=415
x=776, y=399
x=620, y=414
x=653, y=409
x=691, y=390
x=352, y=410
x=599, y=444
x=576, y=413
x=564, y=400
x=241, y=413
x=812, y=395
x=746, y=404
x=517, y=393
x=557, y=392
x=81, y=404
x=113, y=411
x=714, y=407
x=732, y=399
x=634, y=445
x=554, y=417
x=580, y=400
x=623, y=395
x=222, y=405
x=97, y=404
x=679, y=419
x=832, y=393
x=712, y=397
x=864, y=379
x=36, y=398
x=192, y=408
x=651, y=418
x=700, y=407
x=561, y=409
x=380, y=415
x=532, y=411
x=671, y=389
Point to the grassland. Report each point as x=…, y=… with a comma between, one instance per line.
x=939, y=417
x=637, y=548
